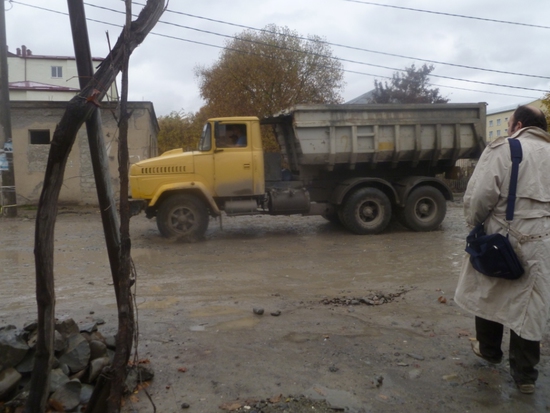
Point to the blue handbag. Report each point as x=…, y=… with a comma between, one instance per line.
x=493, y=255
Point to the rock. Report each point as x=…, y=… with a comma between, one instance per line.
x=59, y=343
x=26, y=365
x=8, y=381
x=185, y=405
x=67, y=327
x=96, y=335
x=57, y=379
x=86, y=393
x=30, y=326
x=77, y=354
x=258, y=310
x=97, y=349
x=13, y=347
x=414, y=374
x=88, y=328
x=68, y=395
x=31, y=338
x=110, y=341
x=138, y=374
x=99, y=321
x=65, y=369
x=79, y=374
x=96, y=366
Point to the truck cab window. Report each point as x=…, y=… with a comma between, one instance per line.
x=205, y=143
x=232, y=136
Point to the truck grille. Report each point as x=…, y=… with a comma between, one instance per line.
x=162, y=170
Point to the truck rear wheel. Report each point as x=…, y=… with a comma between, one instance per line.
x=366, y=211
x=183, y=217
x=424, y=209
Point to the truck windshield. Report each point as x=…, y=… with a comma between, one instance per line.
x=205, y=143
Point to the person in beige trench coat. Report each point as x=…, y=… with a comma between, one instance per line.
x=522, y=305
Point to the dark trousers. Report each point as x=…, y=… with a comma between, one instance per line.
x=524, y=354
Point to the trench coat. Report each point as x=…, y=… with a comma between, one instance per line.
x=523, y=305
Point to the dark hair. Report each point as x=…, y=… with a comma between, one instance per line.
x=529, y=116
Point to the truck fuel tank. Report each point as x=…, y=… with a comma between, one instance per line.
x=288, y=201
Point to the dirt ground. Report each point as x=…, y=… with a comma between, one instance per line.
x=208, y=348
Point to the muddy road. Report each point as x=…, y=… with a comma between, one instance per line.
x=409, y=353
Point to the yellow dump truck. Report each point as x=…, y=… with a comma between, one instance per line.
x=358, y=165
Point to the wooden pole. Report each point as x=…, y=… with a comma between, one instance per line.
x=79, y=110
x=100, y=159
x=8, y=208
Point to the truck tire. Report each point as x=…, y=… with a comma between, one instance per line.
x=424, y=210
x=182, y=217
x=366, y=211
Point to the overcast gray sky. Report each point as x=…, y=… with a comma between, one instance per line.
x=192, y=33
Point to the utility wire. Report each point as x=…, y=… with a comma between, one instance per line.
x=449, y=14
x=354, y=47
x=345, y=60
x=339, y=59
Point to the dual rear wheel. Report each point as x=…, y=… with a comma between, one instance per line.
x=369, y=210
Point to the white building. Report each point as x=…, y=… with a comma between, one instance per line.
x=45, y=78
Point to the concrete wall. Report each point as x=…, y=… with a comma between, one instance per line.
x=30, y=160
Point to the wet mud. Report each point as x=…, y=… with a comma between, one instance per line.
x=195, y=309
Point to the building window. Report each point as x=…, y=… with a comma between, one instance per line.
x=40, y=137
x=505, y=119
x=490, y=134
x=498, y=122
x=491, y=123
x=57, y=71
x=498, y=132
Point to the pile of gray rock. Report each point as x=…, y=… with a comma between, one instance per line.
x=81, y=353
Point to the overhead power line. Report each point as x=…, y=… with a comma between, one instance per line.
x=449, y=14
x=340, y=59
x=357, y=48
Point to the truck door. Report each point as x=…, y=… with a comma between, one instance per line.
x=233, y=169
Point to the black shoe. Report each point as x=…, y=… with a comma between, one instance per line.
x=477, y=352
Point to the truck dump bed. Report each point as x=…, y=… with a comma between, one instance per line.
x=328, y=135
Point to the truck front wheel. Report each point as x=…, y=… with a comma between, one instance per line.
x=424, y=209
x=366, y=211
x=183, y=217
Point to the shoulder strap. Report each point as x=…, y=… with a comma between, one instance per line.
x=517, y=154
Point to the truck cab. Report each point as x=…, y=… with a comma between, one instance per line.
x=182, y=189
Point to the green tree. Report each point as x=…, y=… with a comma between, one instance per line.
x=262, y=73
x=178, y=130
x=408, y=87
